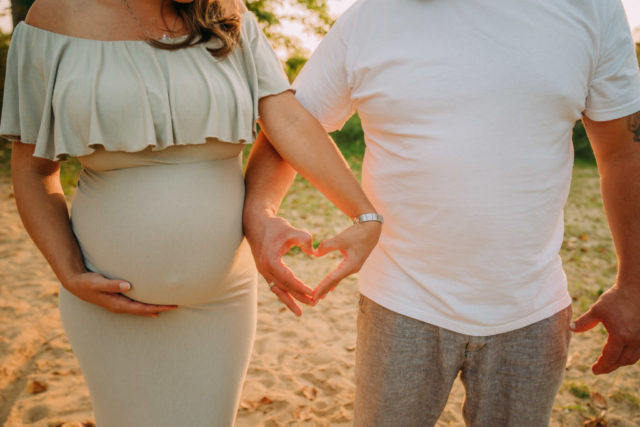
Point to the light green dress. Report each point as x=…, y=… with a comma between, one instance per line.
x=159, y=203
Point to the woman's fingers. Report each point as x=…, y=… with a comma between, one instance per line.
x=287, y=300
x=305, y=299
x=283, y=275
x=304, y=240
x=97, y=289
x=291, y=290
x=100, y=283
x=120, y=304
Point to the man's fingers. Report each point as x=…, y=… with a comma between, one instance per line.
x=327, y=246
x=585, y=322
x=287, y=300
x=623, y=360
x=123, y=305
x=331, y=281
x=626, y=356
x=636, y=357
x=610, y=355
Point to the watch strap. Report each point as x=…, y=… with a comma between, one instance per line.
x=368, y=217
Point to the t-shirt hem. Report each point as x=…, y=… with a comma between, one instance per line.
x=330, y=127
x=613, y=113
x=463, y=328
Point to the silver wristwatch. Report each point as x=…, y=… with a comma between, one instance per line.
x=368, y=217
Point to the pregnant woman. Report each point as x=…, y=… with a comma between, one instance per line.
x=156, y=99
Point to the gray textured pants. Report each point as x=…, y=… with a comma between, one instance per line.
x=405, y=369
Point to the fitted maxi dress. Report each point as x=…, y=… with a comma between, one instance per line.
x=159, y=203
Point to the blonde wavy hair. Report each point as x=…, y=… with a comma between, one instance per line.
x=205, y=20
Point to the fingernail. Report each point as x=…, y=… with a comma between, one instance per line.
x=124, y=286
x=572, y=326
x=173, y=308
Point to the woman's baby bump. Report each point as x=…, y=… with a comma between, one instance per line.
x=173, y=231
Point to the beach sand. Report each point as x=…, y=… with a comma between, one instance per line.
x=302, y=369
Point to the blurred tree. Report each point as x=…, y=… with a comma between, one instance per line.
x=312, y=14
x=350, y=139
x=19, y=9
x=581, y=144
x=294, y=64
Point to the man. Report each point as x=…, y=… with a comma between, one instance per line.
x=467, y=109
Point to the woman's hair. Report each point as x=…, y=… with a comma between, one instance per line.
x=204, y=20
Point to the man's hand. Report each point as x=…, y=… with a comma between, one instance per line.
x=355, y=244
x=617, y=152
x=619, y=311
x=270, y=237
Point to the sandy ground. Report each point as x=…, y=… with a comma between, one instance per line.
x=302, y=370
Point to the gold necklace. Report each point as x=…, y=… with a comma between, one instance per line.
x=164, y=36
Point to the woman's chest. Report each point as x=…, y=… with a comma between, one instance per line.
x=122, y=91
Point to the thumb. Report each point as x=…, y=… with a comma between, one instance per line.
x=305, y=241
x=327, y=246
x=99, y=283
x=588, y=320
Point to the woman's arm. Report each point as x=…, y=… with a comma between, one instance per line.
x=43, y=209
x=303, y=143
x=267, y=180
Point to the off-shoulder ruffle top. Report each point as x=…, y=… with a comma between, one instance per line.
x=67, y=95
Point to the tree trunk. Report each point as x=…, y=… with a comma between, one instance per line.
x=19, y=9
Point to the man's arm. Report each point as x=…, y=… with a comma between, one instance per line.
x=302, y=142
x=616, y=145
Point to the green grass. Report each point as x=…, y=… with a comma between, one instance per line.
x=579, y=390
x=578, y=408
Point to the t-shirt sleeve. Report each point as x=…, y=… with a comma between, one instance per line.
x=322, y=86
x=615, y=87
x=271, y=78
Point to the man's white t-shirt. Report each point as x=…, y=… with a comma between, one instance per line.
x=467, y=108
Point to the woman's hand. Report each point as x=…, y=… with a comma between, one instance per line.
x=97, y=289
x=355, y=244
x=270, y=237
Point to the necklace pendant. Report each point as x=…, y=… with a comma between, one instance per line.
x=164, y=37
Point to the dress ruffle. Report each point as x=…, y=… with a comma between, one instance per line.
x=68, y=95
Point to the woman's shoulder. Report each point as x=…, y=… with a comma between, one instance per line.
x=52, y=15
x=87, y=19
